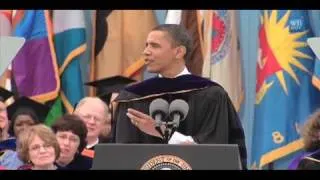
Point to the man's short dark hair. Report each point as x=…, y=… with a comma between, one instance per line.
x=179, y=35
x=73, y=123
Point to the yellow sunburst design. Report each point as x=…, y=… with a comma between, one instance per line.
x=284, y=45
x=262, y=92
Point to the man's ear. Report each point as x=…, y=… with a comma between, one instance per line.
x=181, y=51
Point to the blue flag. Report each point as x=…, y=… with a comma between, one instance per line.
x=70, y=44
x=285, y=96
x=315, y=24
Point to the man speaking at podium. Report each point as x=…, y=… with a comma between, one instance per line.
x=211, y=118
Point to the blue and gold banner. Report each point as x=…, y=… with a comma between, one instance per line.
x=285, y=95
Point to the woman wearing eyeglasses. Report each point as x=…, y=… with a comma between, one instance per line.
x=71, y=133
x=38, y=148
x=23, y=113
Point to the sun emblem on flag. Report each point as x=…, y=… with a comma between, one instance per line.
x=279, y=50
x=220, y=42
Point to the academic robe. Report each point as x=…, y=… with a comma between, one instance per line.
x=8, y=144
x=310, y=162
x=8, y=156
x=113, y=132
x=212, y=119
x=78, y=163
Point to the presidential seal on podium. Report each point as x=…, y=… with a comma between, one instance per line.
x=166, y=162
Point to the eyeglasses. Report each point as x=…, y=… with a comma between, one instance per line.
x=37, y=147
x=88, y=117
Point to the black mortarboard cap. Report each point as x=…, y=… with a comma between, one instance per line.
x=106, y=86
x=41, y=110
x=106, y=97
x=5, y=94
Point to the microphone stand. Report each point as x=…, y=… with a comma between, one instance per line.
x=167, y=131
x=170, y=128
x=166, y=136
x=158, y=128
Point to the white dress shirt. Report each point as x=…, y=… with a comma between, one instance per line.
x=93, y=144
x=184, y=72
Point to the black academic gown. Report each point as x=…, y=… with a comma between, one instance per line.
x=310, y=162
x=105, y=139
x=112, y=133
x=212, y=119
x=78, y=163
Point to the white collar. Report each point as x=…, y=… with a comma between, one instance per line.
x=93, y=144
x=184, y=72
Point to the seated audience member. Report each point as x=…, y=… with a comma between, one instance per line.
x=71, y=133
x=311, y=139
x=94, y=113
x=6, y=142
x=23, y=113
x=38, y=148
x=108, y=89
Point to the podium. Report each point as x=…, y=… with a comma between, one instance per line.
x=166, y=157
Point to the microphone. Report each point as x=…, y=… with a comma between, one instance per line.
x=158, y=110
x=178, y=110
